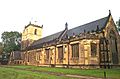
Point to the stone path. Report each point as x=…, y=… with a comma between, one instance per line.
x=82, y=77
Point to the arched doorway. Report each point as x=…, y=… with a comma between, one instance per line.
x=113, y=47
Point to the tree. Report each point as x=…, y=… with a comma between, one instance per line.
x=1, y=48
x=11, y=41
x=118, y=25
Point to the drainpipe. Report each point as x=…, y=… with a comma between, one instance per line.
x=55, y=55
x=68, y=54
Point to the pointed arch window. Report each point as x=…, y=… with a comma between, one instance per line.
x=60, y=53
x=93, y=49
x=113, y=47
x=75, y=50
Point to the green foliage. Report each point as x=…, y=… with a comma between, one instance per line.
x=11, y=41
x=118, y=25
x=1, y=48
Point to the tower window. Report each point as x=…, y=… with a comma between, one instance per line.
x=35, y=32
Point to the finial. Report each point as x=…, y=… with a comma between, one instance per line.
x=35, y=21
x=30, y=22
x=109, y=12
x=66, y=25
x=42, y=26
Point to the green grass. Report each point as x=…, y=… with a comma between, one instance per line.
x=11, y=73
x=111, y=73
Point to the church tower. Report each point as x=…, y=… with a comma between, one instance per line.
x=31, y=33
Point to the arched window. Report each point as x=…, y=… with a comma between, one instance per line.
x=75, y=50
x=93, y=49
x=60, y=53
x=47, y=51
x=113, y=45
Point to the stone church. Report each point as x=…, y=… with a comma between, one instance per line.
x=95, y=44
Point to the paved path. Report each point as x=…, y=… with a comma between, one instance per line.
x=82, y=77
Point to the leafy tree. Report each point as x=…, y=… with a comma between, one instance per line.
x=118, y=25
x=11, y=41
x=1, y=48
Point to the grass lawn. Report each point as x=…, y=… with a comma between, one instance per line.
x=111, y=73
x=11, y=73
x=21, y=72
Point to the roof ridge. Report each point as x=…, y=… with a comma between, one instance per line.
x=89, y=22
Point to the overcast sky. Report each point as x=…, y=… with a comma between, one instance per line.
x=53, y=14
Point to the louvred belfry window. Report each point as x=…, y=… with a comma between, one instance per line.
x=35, y=32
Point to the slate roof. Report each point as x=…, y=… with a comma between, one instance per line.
x=47, y=38
x=92, y=26
x=89, y=27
